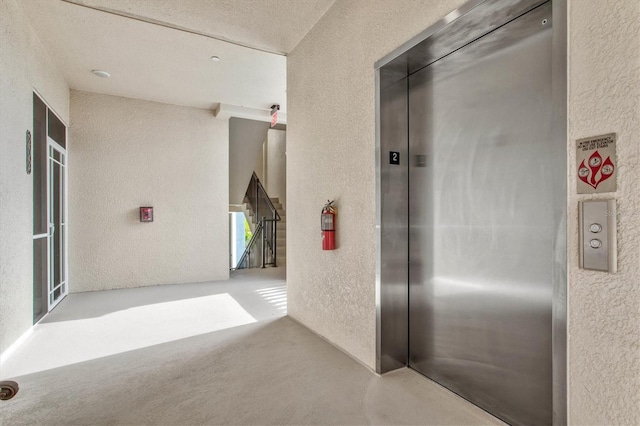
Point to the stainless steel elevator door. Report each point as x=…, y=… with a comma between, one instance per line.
x=481, y=220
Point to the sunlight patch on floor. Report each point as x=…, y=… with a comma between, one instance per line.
x=56, y=344
x=275, y=296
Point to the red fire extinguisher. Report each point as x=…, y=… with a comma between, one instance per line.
x=328, y=226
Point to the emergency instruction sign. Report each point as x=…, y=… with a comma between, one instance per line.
x=597, y=164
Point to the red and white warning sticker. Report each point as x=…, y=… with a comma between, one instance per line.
x=597, y=164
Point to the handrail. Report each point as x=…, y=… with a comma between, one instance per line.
x=261, y=191
x=266, y=217
x=245, y=259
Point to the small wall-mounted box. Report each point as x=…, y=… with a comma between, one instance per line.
x=146, y=214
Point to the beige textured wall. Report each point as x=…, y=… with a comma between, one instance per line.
x=604, y=309
x=275, y=152
x=259, y=167
x=246, y=141
x=127, y=153
x=24, y=65
x=331, y=151
x=331, y=155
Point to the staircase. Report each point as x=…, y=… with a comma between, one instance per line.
x=267, y=246
x=281, y=241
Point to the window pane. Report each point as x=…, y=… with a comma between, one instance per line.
x=63, y=214
x=62, y=258
x=39, y=165
x=39, y=278
x=57, y=226
x=57, y=130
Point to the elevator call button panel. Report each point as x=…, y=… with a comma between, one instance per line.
x=598, y=248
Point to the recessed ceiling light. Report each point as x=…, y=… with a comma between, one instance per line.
x=101, y=73
x=215, y=59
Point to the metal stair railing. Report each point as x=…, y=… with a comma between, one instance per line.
x=249, y=256
x=264, y=239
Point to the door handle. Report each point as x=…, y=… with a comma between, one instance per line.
x=52, y=229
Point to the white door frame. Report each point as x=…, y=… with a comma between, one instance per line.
x=64, y=224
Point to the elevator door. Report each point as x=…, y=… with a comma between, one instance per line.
x=482, y=223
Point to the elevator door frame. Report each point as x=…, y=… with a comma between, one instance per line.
x=392, y=284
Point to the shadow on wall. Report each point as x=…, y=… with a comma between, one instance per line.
x=245, y=143
x=133, y=216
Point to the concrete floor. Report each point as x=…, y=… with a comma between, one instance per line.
x=210, y=353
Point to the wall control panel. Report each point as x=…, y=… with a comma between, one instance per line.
x=146, y=214
x=598, y=247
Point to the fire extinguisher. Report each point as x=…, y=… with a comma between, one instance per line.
x=328, y=226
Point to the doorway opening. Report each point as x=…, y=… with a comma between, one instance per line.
x=257, y=189
x=49, y=167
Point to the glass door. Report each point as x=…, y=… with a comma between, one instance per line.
x=57, y=213
x=50, y=282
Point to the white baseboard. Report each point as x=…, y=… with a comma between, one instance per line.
x=15, y=345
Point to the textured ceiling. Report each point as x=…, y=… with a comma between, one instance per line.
x=153, y=61
x=272, y=25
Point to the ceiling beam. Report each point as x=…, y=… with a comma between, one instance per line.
x=171, y=26
x=225, y=111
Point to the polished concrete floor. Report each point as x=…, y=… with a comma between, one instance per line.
x=209, y=353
